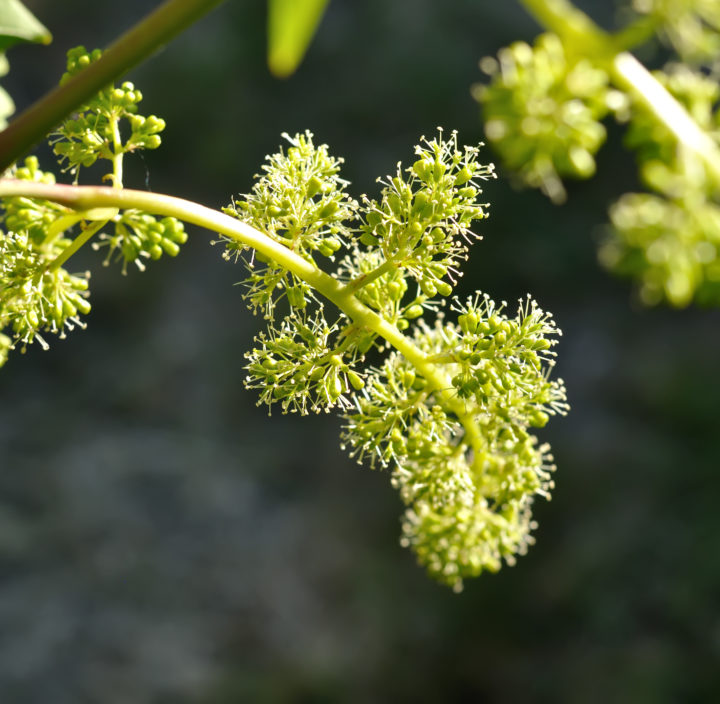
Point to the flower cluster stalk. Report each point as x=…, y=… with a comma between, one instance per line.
x=88, y=198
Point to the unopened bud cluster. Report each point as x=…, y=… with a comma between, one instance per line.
x=94, y=132
x=138, y=237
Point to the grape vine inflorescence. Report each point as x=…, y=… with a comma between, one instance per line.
x=455, y=393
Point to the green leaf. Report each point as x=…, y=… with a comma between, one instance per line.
x=291, y=26
x=18, y=24
x=7, y=107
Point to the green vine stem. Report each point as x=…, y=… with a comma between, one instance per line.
x=365, y=279
x=88, y=198
x=142, y=40
x=117, y=158
x=579, y=31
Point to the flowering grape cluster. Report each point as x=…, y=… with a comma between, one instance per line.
x=452, y=409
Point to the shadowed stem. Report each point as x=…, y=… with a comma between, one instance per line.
x=146, y=37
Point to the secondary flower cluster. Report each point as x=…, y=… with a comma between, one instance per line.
x=543, y=109
x=299, y=201
x=296, y=366
x=452, y=421
x=423, y=219
x=37, y=294
x=542, y=112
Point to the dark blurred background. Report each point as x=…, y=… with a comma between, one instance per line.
x=163, y=540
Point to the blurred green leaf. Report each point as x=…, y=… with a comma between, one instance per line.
x=291, y=26
x=18, y=24
x=7, y=107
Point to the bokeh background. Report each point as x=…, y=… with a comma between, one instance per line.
x=162, y=540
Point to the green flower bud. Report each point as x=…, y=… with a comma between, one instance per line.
x=443, y=288
x=170, y=248
x=463, y=176
x=369, y=240
x=330, y=208
x=355, y=380
x=468, y=321
x=82, y=304
x=419, y=202
x=539, y=419
x=428, y=287
x=423, y=168
x=334, y=387
x=414, y=311
x=314, y=186
x=296, y=296
x=396, y=290
x=317, y=374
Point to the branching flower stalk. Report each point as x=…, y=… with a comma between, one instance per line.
x=450, y=410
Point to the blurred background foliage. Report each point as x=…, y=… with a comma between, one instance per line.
x=162, y=540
